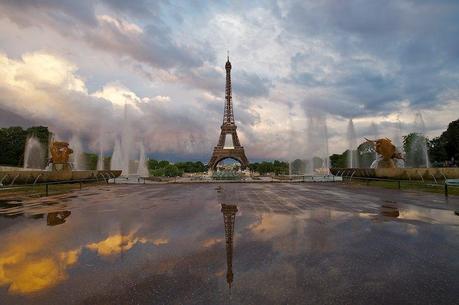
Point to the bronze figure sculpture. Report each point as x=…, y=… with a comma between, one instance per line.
x=60, y=152
x=387, y=153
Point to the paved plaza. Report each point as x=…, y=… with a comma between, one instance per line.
x=304, y=243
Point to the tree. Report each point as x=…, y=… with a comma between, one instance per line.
x=316, y=163
x=277, y=167
x=298, y=167
x=40, y=132
x=451, y=141
x=159, y=172
x=13, y=142
x=91, y=160
x=163, y=163
x=366, y=154
x=338, y=160
x=152, y=164
x=191, y=167
x=280, y=167
x=437, y=151
x=172, y=171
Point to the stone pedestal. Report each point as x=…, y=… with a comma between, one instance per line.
x=59, y=167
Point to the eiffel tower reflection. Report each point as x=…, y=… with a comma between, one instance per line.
x=229, y=216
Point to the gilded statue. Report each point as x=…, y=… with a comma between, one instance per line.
x=60, y=152
x=387, y=153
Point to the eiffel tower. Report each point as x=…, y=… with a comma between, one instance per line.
x=228, y=128
x=229, y=216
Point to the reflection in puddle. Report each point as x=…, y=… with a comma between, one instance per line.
x=229, y=216
x=116, y=244
x=57, y=218
x=165, y=244
x=27, y=267
x=36, y=209
x=389, y=211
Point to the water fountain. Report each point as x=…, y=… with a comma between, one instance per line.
x=418, y=154
x=124, y=148
x=142, y=170
x=317, y=143
x=352, y=154
x=374, y=135
x=389, y=162
x=387, y=166
x=398, y=135
x=100, y=159
x=34, y=154
x=117, y=160
x=290, y=144
x=77, y=159
x=295, y=148
x=60, y=167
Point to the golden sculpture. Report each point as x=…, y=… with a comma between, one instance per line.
x=60, y=152
x=387, y=152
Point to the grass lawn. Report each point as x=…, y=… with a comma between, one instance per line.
x=40, y=190
x=407, y=185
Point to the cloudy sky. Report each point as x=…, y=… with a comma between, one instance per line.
x=73, y=65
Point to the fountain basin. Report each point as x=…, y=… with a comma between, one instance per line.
x=430, y=173
x=8, y=177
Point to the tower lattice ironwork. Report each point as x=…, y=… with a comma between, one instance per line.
x=229, y=216
x=228, y=127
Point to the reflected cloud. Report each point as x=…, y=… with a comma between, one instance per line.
x=27, y=267
x=414, y=215
x=271, y=225
x=115, y=244
x=211, y=242
x=26, y=270
x=161, y=241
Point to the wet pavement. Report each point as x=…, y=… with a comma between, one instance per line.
x=231, y=244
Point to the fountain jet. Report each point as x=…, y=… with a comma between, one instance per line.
x=100, y=159
x=123, y=149
x=34, y=154
x=142, y=170
x=317, y=143
x=78, y=159
x=418, y=147
x=352, y=154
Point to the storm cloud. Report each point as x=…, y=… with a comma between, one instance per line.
x=72, y=65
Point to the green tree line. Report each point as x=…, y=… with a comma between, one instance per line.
x=276, y=167
x=164, y=168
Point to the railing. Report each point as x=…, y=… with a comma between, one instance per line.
x=47, y=184
x=446, y=184
x=450, y=183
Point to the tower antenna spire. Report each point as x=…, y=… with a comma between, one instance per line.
x=227, y=55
